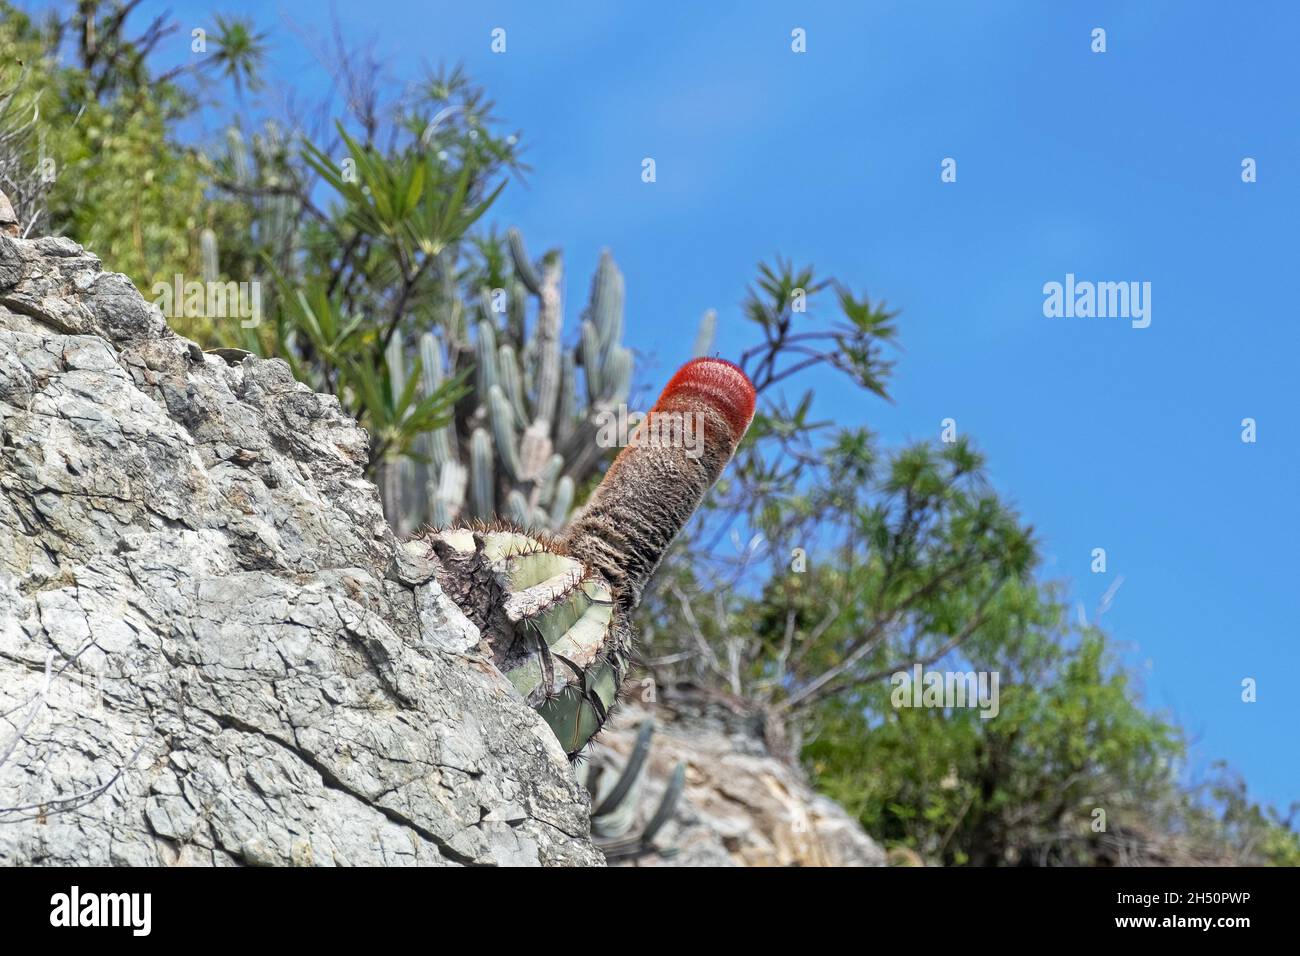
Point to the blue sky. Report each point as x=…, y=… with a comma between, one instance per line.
x=1117, y=166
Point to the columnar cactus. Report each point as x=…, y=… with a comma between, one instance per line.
x=273, y=226
x=524, y=441
x=537, y=420
x=556, y=609
x=615, y=800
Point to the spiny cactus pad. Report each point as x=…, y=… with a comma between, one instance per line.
x=555, y=629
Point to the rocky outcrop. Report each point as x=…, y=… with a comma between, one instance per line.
x=212, y=648
x=741, y=804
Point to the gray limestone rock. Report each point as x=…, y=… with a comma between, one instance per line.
x=212, y=648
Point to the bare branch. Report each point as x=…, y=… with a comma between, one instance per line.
x=76, y=800
x=37, y=702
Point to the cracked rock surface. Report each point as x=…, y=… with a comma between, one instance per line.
x=212, y=648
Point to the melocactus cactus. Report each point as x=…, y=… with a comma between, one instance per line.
x=556, y=609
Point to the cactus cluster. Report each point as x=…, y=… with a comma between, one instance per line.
x=615, y=799
x=260, y=171
x=520, y=451
x=524, y=443
x=555, y=610
x=257, y=172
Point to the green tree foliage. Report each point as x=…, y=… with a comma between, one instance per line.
x=915, y=552
x=1068, y=750
x=104, y=161
x=824, y=565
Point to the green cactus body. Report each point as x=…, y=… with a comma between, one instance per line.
x=555, y=630
x=616, y=801
x=437, y=445
x=550, y=475
x=589, y=349
x=613, y=807
x=517, y=505
x=543, y=425
x=618, y=376
x=535, y=452
x=394, y=358
x=485, y=369
x=482, y=487
x=440, y=512
x=516, y=310
x=556, y=611
x=607, y=304
x=238, y=151
x=447, y=493
x=511, y=384
x=208, y=254
x=529, y=357
x=524, y=268
x=549, y=322
x=567, y=412
x=562, y=502
x=520, y=455
x=501, y=418
x=398, y=474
